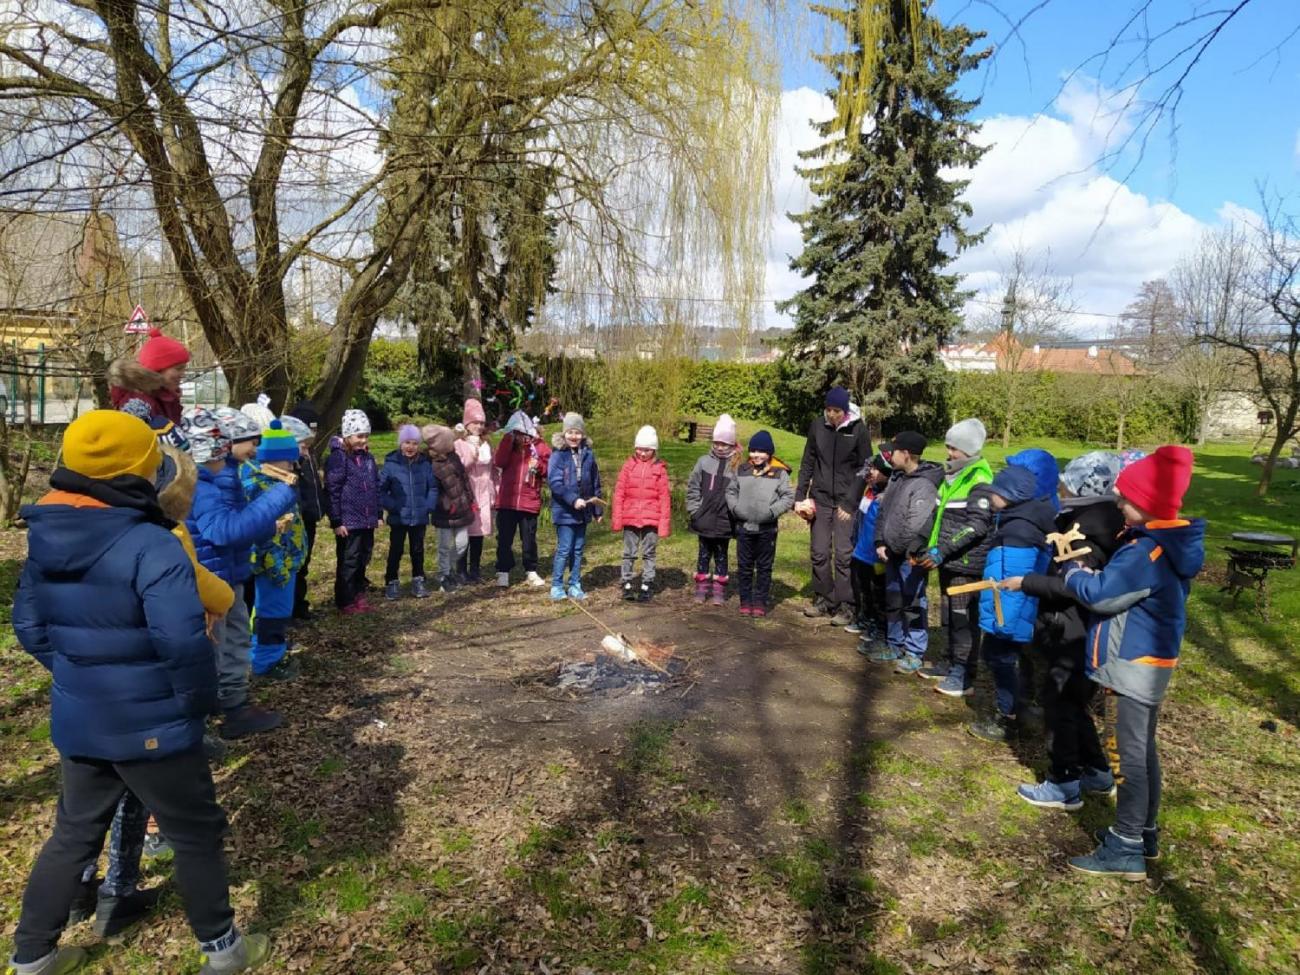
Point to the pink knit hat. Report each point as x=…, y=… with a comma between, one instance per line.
x=473, y=412
x=724, y=430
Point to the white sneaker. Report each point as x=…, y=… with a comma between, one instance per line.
x=503, y=579
x=533, y=579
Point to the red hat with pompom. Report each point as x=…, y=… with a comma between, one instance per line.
x=1157, y=482
x=159, y=352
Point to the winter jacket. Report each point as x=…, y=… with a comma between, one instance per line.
x=963, y=522
x=1139, y=606
x=864, y=538
x=352, y=487
x=477, y=460
x=225, y=526
x=834, y=458
x=176, y=501
x=572, y=474
x=758, y=498
x=1018, y=547
x=311, y=496
x=519, y=489
x=108, y=603
x=408, y=491
x=642, y=497
x=455, y=507
x=279, y=557
x=141, y=392
x=706, y=497
x=903, y=525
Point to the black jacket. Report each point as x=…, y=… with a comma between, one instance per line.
x=833, y=460
x=311, y=496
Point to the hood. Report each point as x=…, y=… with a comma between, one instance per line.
x=928, y=470
x=64, y=540
x=1183, y=542
x=1037, y=513
x=1016, y=484
x=129, y=374
x=557, y=442
x=177, y=497
x=1047, y=474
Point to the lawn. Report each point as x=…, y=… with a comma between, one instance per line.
x=785, y=808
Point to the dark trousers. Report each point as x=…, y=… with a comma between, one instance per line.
x=755, y=553
x=508, y=522
x=179, y=790
x=713, y=552
x=353, y=552
x=300, y=605
x=832, y=553
x=868, y=591
x=961, y=624
x=250, y=594
x=470, y=562
x=398, y=535
x=1131, y=741
x=1074, y=746
x=1003, y=657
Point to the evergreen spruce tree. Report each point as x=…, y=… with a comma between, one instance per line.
x=888, y=217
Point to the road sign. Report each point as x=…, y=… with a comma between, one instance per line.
x=139, y=323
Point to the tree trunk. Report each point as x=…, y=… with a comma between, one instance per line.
x=1285, y=431
x=1006, y=432
x=1119, y=432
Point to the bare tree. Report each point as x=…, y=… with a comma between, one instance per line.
x=1149, y=324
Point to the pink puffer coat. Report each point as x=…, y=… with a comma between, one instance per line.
x=642, y=498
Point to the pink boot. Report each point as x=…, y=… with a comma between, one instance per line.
x=719, y=591
x=702, y=586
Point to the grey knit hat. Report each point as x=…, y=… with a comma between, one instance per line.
x=574, y=421
x=968, y=436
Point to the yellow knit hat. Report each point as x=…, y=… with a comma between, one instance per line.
x=103, y=444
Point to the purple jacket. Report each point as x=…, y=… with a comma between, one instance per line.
x=352, y=483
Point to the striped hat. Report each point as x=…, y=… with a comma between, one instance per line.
x=277, y=444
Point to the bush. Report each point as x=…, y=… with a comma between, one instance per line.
x=740, y=388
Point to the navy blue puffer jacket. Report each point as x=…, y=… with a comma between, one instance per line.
x=408, y=491
x=225, y=526
x=108, y=604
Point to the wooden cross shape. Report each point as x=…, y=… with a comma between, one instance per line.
x=1063, y=541
x=980, y=586
x=286, y=477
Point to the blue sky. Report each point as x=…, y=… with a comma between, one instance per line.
x=1045, y=188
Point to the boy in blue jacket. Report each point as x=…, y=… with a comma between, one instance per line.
x=1022, y=520
x=108, y=603
x=574, y=480
x=408, y=492
x=1139, y=607
x=225, y=526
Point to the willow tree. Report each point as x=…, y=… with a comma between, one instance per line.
x=888, y=217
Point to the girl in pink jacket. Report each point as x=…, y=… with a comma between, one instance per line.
x=475, y=453
x=642, y=511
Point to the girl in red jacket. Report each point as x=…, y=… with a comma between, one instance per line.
x=521, y=458
x=642, y=511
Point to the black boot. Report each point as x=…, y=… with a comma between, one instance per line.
x=113, y=915
x=83, y=905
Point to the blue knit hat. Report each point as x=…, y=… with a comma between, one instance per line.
x=277, y=444
x=761, y=442
x=838, y=398
x=1015, y=483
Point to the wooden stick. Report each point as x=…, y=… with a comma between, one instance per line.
x=286, y=477
x=980, y=586
x=618, y=636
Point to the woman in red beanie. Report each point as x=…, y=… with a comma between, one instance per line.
x=149, y=385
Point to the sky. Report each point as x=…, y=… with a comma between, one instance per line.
x=1067, y=179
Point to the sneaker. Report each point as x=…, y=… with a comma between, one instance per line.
x=1052, y=795
x=881, y=653
x=61, y=961
x=474, y=578
x=954, y=686
x=575, y=592
x=1097, y=782
x=644, y=595
x=1115, y=857
x=841, y=617
x=156, y=845
x=933, y=673
x=418, y=589
x=247, y=953
x=392, y=591
x=557, y=593
x=248, y=720
x=856, y=628
x=286, y=668
x=702, y=587
x=533, y=579
x=351, y=609
x=449, y=583
x=746, y=609
x=1150, y=842
x=503, y=579
x=908, y=663
x=996, y=728
x=629, y=592
x=363, y=604
x=114, y=915
x=817, y=609
x=83, y=905
x=757, y=611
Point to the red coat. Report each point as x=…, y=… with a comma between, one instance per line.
x=517, y=490
x=642, y=498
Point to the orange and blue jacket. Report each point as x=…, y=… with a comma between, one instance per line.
x=1139, y=606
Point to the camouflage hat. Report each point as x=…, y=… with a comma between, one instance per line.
x=203, y=430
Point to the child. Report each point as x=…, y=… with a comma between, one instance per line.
x=757, y=497
x=642, y=511
x=1023, y=518
x=1139, y=607
x=244, y=433
x=225, y=526
x=710, y=518
x=522, y=459
x=574, y=479
x=352, y=486
x=902, y=529
x=275, y=560
x=867, y=573
x=957, y=547
x=107, y=602
x=302, y=422
x=1078, y=763
x=455, y=508
x=408, y=491
x=475, y=454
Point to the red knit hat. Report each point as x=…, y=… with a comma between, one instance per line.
x=159, y=352
x=1157, y=482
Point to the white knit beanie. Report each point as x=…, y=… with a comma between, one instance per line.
x=647, y=438
x=574, y=421
x=968, y=436
x=355, y=422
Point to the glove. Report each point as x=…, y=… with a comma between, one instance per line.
x=935, y=557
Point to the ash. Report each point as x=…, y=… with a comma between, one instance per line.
x=609, y=675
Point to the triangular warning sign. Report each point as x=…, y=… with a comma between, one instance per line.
x=139, y=323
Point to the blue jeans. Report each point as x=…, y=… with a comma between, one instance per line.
x=906, y=606
x=273, y=608
x=1003, y=657
x=570, y=540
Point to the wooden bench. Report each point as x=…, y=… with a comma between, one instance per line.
x=697, y=431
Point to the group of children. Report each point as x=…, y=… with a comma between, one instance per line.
x=1101, y=609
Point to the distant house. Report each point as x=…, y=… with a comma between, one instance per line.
x=1004, y=354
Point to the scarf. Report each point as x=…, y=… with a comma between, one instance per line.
x=122, y=491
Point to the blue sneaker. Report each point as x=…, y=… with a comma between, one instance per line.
x=1097, y=782
x=954, y=685
x=575, y=592
x=1150, y=841
x=879, y=652
x=1116, y=857
x=1052, y=795
x=557, y=593
x=908, y=663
